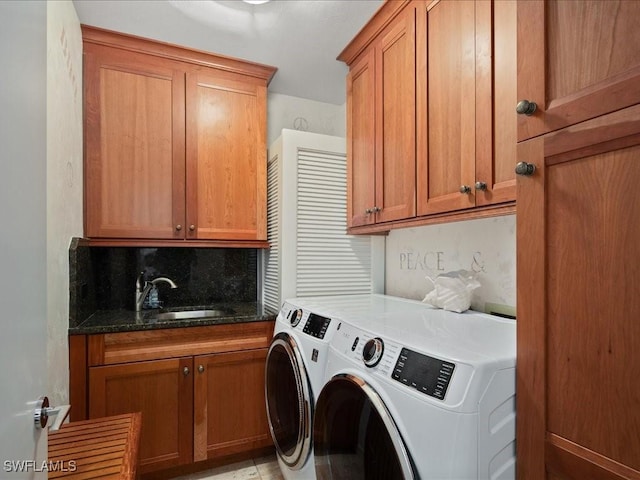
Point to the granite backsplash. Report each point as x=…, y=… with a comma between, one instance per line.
x=103, y=278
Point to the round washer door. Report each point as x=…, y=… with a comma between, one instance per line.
x=354, y=435
x=288, y=398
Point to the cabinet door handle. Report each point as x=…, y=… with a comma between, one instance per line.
x=192, y=227
x=376, y=209
x=178, y=227
x=481, y=186
x=465, y=189
x=368, y=211
x=525, y=107
x=185, y=371
x=201, y=368
x=524, y=168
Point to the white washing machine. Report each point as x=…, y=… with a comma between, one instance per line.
x=414, y=392
x=294, y=376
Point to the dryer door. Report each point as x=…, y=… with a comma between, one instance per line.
x=288, y=397
x=354, y=435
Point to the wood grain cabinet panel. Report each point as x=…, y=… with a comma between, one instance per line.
x=134, y=150
x=226, y=168
x=466, y=129
x=577, y=61
x=221, y=428
x=200, y=389
x=431, y=131
x=577, y=234
x=381, y=127
x=163, y=391
x=579, y=253
x=175, y=144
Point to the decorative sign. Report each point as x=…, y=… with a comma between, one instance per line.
x=483, y=246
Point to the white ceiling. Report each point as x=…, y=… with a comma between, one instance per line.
x=300, y=37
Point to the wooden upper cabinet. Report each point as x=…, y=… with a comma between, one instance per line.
x=226, y=165
x=361, y=133
x=175, y=143
x=134, y=150
x=466, y=127
x=381, y=126
x=431, y=124
x=396, y=120
x=577, y=60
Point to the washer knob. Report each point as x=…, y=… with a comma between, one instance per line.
x=372, y=352
x=296, y=317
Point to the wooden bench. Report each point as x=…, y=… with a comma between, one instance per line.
x=105, y=448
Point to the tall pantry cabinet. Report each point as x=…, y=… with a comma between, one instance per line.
x=578, y=240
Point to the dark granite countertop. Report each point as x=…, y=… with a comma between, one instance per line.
x=111, y=321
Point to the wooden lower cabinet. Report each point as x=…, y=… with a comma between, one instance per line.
x=578, y=257
x=223, y=380
x=207, y=403
x=163, y=392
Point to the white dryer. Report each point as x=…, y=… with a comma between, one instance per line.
x=413, y=392
x=294, y=376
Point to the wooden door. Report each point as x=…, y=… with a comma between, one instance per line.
x=226, y=157
x=446, y=102
x=578, y=257
x=230, y=414
x=361, y=135
x=163, y=391
x=134, y=145
x=395, y=174
x=576, y=61
x=496, y=128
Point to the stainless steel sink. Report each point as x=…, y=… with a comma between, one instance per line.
x=191, y=314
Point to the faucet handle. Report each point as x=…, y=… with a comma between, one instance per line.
x=139, y=281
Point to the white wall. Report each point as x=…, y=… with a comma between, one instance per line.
x=284, y=111
x=486, y=246
x=64, y=181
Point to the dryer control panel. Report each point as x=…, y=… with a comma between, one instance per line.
x=426, y=374
x=316, y=325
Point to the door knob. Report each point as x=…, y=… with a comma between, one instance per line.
x=185, y=370
x=192, y=227
x=464, y=189
x=525, y=107
x=201, y=368
x=178, y=227
x=524, y=168
x=481, y=186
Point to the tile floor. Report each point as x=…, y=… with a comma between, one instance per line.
x=264, y=468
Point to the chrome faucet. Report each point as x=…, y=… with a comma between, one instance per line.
x=143, y=290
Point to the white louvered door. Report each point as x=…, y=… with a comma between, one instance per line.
x=311, y=254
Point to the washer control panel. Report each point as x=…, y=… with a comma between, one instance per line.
x=426, y=374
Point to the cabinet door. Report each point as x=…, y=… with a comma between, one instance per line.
x=226, y=158
x=496, y=128
x=230, y=414
x=361, y=135
x=578, y=254
x=163, y=391
x=447, y=122
x=134, y=145
x=577, y=60
x=395, y=120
